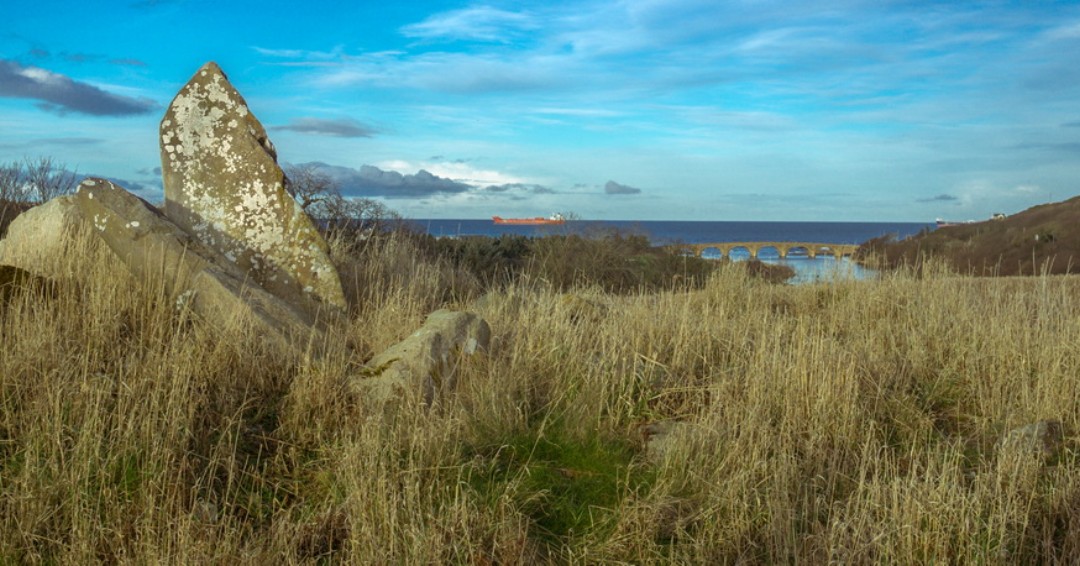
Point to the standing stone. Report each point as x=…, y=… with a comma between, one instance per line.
x=223, y=186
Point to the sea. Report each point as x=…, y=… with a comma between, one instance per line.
x=663, y=232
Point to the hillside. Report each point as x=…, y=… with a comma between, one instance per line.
x=1042, y=237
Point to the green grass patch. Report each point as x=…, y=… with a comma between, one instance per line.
x=570, y=487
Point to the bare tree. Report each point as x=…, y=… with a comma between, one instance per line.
x=320, y=196
x=31, y=182
x=10, y=191
x=309, y=186
x=34, y=181
x=46, y=180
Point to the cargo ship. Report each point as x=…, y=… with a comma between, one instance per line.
x=537, y=221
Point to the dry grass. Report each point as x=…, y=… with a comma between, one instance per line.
x=850, y=422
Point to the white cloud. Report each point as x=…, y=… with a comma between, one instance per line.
x=481, y=23
x=458, y=171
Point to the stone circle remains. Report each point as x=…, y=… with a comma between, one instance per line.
x=230, y=241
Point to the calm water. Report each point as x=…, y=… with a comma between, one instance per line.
x=670, y=232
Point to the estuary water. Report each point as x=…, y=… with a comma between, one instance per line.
x=702, y=232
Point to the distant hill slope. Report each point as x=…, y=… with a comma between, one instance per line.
x=1044, y=236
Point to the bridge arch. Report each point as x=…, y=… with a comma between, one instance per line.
x=802, y=250
x=752, y=249
x=711, y=252
x=769, y=249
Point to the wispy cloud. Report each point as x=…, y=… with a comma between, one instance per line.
x=64, y=142
x=1068, y=146
x=340, y=127
x=940, y=198
x=335, y=54
x=128, y=62
x=1069, y=31
x=527, y=188
x=480, y=23
x=70, y=141
x=579, y=112
x=640, y=47
x=451, y=72
x=60, y=94
x=81, y=57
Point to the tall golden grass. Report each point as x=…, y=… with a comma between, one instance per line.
x=850, y=422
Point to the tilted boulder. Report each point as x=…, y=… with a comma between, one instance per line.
x=155, y=248
x=425, y=362
x=37, y=239
x=223, y=186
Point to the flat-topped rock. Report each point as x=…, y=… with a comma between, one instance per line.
x=224, y=187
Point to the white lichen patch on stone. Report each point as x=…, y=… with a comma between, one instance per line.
x=184, y=300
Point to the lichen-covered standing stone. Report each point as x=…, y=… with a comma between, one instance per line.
x=224, y=187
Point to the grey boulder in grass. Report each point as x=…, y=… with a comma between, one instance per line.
x=424, y=365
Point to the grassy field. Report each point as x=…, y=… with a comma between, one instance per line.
x=850, y=422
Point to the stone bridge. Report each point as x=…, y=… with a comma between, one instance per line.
x=811, y=249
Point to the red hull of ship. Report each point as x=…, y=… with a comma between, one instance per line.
x=527, y=221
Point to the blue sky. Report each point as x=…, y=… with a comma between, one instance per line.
x=635, y=109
